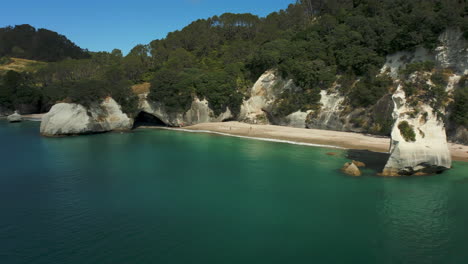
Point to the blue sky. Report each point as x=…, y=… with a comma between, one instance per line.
x=101, y=25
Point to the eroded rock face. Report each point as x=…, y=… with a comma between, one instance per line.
x=75, y=119
x=329, y=116
x=262, y=102
x=453, y=51
x=14, y=118
x=426, y=151
x=398, y=60
x=199, y=112
x=458, y=134
x=262, y=95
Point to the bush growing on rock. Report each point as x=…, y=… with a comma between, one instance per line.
x=407, y=131
x=460, y=105
x=417, y=67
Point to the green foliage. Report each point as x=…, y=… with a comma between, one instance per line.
x=219, y=58
x=290, y=102
x=418, y=67
x=220, y=90
x=5, y=60
x=407, y=132
x=460, y=105
x=369, y=90
x=174, y=89
x=24, y=41
x=418, y=91
x=439, y=79
x=17, y=88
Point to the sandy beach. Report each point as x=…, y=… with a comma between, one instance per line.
x=33, y=117
x=346, y=140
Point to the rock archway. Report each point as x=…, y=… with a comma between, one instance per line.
x=146, y=119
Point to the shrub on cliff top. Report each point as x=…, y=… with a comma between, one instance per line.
x=418, y=66
x=460, y=105
x=407, y=131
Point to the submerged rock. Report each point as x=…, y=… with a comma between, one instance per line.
x=75, y=119
x=14, y=118
x=351, y=169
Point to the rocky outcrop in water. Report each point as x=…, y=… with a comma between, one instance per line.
x=199, y=112
x=419, y=143
x=14, y=118
x=351, y=169
x=74, y=119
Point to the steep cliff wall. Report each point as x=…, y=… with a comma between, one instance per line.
x=419, y=143
x=199, y=112
x=262, y=96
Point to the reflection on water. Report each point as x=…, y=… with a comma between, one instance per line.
x=415, y=220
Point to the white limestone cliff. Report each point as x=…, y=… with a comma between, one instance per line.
x=262, y=95
x=74, y=119
x=199, y=112
x=428, y=153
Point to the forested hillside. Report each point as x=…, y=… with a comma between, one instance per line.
x=315, y=43
x=24, y=41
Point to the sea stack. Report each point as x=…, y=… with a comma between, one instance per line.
x=419, y=142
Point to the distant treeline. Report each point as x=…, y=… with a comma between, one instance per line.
x=24, y=41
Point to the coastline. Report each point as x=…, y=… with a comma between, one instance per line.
x=307, y=137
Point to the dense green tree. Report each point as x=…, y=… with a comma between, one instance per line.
x=24, y=41
x=313, y=42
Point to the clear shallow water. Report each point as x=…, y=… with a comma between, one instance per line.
x=169, y=197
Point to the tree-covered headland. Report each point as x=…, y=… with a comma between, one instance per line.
x=314, y=42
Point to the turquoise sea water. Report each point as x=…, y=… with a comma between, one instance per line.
x=156, y=196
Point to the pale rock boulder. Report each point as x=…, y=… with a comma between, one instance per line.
x=199, y=112
x=429, y=153
x=14, y=118
x=351, y=169
x=74, y=119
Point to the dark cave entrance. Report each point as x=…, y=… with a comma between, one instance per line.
x=145, y=119
x=229, y=120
